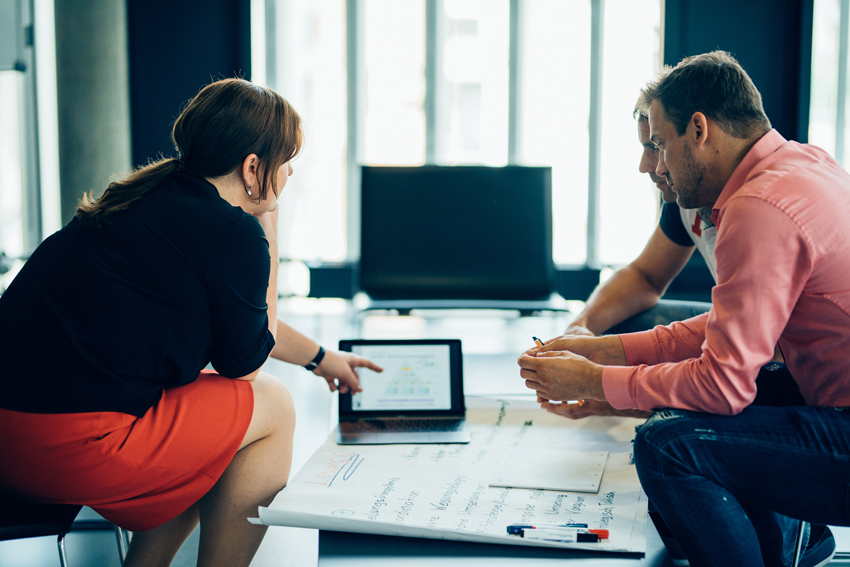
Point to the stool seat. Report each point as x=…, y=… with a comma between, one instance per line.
x=19, y=519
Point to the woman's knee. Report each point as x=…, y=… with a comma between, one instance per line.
x=274, y=411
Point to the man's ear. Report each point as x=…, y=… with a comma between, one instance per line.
x=699, y=128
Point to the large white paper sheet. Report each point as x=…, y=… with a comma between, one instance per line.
x=442, y=492
x=551, y=470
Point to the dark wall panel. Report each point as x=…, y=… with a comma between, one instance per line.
x=175, y=49
x=770, y=38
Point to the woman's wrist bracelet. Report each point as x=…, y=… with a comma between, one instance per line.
x=314, y=364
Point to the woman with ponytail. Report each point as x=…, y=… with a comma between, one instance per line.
x=106, y=332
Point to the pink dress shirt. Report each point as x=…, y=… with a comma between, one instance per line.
x=783, y=275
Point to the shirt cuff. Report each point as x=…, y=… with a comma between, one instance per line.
x=640, y=348
x=615, y=384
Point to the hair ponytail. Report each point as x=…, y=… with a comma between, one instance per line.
x=120, y=195
x=226, y=122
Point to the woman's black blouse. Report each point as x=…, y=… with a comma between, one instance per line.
x=103, y=319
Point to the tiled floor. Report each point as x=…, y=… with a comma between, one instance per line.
x=491, y=339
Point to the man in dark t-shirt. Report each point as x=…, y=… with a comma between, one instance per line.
x=633, y=293
x=630, y=301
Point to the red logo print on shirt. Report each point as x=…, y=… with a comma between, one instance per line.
x=696, y=228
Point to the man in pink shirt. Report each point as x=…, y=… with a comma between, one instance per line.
x=725, y=475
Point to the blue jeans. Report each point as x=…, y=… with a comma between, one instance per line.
x=776, y=533
x=728, y=486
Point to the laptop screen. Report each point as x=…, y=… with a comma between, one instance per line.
x=420, y=377
x=414, y=377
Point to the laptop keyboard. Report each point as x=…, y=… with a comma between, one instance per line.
x=401, y=425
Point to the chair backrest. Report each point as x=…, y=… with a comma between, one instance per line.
x=461, y=232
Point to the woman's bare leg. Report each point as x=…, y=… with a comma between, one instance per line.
x=258, y=471
x=157, y=547
x=256, y=474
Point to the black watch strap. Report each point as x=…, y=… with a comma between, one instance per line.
x=314, y=364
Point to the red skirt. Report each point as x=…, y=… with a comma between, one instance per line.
x=138, y=473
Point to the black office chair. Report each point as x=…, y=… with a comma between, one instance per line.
x=798, y=549
x=19, y=520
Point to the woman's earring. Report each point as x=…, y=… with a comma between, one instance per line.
x=249, y=189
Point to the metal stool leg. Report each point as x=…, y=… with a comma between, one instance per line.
x=123, y=538
x=60, y=542
x=798, y=549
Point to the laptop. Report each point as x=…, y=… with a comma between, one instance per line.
x=418, y=398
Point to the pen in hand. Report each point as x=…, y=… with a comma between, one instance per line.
x=539, y=343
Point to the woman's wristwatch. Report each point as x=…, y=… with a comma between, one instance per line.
x=314, y=364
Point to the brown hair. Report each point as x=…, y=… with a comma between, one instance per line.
x=714, y=84
x=227, y=121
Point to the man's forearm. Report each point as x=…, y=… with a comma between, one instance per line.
x=626, y=293
x=637, y=287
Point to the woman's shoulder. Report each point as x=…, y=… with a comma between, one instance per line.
x=186, y=215
x=196, y=202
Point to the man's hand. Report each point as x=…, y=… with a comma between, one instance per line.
x=590, y=408
x=606, y=351
x=562, y=376
x=338, y=369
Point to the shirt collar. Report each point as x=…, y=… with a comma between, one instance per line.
x=766, y=145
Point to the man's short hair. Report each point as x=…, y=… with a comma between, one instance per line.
x=714, y=84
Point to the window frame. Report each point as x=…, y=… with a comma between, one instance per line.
x=433, y=43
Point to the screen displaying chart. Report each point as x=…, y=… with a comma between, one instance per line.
x=415, y=377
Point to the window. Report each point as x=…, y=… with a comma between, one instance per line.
x=628, y=199
x=472, y=41
x=29, y=149
x=394, y=115
x=11, y=163
x=12, y=134
x=407, y=82
x=554, y=107
x=306, y=63
x=828, y=103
